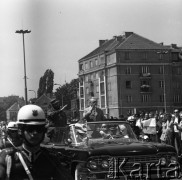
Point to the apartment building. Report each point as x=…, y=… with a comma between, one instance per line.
x=130, y=73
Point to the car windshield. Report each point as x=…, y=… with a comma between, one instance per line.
x=101, y=132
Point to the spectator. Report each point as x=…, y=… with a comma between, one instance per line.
x=177, y=134
x=167, y=135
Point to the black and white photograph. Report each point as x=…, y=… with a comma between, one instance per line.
x=90, y=89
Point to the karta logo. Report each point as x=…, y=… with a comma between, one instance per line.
x=120, y=168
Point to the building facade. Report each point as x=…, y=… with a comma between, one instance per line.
x=130, y=73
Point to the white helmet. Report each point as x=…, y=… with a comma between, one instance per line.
x=12, y=126
x=31, y=115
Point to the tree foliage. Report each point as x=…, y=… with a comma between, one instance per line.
x=46, y=83
x=67, y=92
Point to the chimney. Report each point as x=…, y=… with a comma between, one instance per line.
x=119, y=38
x=101, y=42
x=174, y=46
x=127, y=34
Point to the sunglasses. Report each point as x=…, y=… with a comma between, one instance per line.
x=38, y=129
x=103, y=126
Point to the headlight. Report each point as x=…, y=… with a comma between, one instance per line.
x=105, y=164
x=92, y=165
x=163, y=160
x=173, y=160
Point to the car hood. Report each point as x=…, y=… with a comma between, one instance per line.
x=128, y=148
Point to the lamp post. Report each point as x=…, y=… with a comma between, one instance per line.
x=61, y=94
x=25, y=77
x=34, y=92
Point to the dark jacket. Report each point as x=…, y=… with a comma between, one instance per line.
x=97, y=116
x=56, y=118
x=44, y=165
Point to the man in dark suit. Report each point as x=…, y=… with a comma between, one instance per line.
x=93, y=113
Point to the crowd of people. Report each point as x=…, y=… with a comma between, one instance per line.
x=159, y=127
x=22, y=156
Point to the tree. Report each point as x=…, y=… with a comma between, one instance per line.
x=46, y=83
x=67, y=92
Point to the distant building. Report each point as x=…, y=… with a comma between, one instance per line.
x=130, y=73
x=43, y=101
x=12, y=112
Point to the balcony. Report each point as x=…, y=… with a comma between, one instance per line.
x=145, y=75
x=145, y=89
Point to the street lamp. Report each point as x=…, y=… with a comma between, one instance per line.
x=34, y=92
x=25, y=77
x=61, y=94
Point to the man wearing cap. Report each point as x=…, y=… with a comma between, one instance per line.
x=30, y=160
x=132, y=122
x=56, y=117
x=93, y=113
x=12, y=137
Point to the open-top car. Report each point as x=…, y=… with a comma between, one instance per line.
x=110, y=150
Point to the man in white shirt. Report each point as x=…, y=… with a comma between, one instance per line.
x=177, y=134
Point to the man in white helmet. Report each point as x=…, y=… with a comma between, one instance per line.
x=12, y=137
x=93, y=113
x=31, y=161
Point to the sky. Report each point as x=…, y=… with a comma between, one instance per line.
x=64, y=31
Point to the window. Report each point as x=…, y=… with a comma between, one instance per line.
x=96, y=75
x=176, y=85
x=82, y=104
x=101, y=75
x=86, y=78
x=96, y=62
x=144, y=55
x=81, y=81
x=81, y=67
x=161, y=98
x=92, y=76
x=129, y=98
x=102, y=101
x=97, y=88
x=128, y=70
x=161, y=56
x=102, y=60
x=109, y=86
x=177, y=98
x=81, y=92
x=144, y=82
x=161, y=70
x=145, y=69
x=102, y=90
x=161, y=84
x=91, y=64
x=145, y=98
x=86, y=65
x=127, y=55
x=128, y=84
x=178, y=72
x=87, y=90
